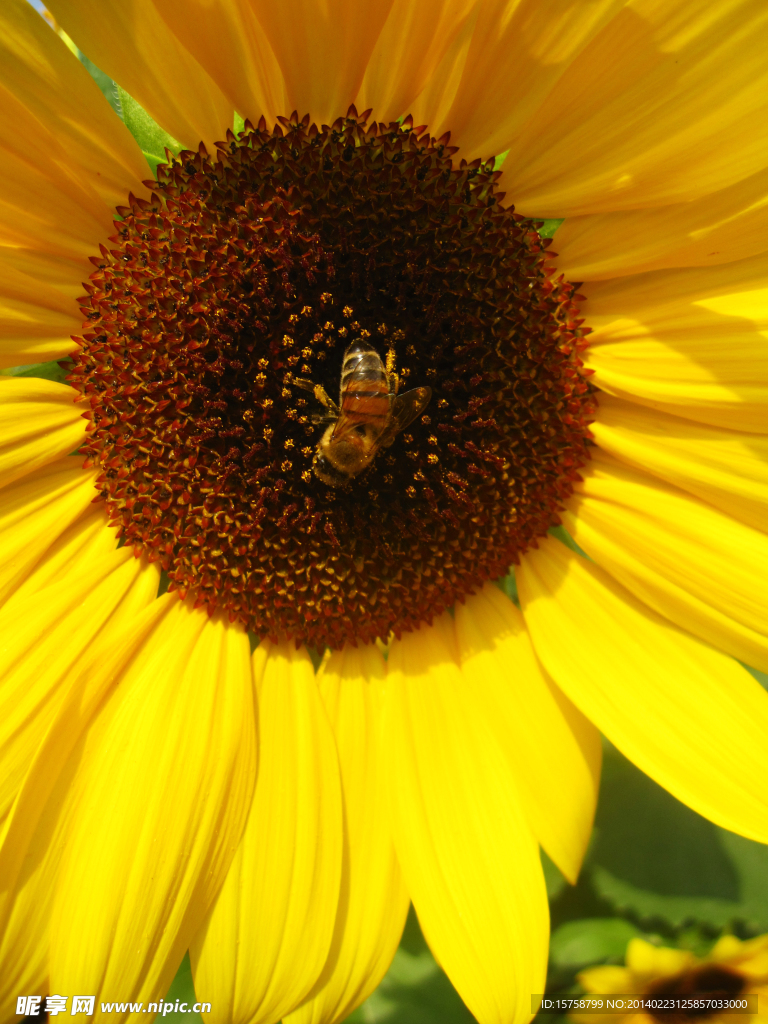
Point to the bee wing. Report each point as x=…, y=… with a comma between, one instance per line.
x=405, y=410
x=343, y=426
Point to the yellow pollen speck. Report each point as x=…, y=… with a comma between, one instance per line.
x=411, y=492
x=432, y=439
x=287, y=341
x=263, y=364
x=432, y=459
x=326, y=297
x=442, y=404
x=306, y=451
x=342, y=332
x=267, y=403
x=306, y=476
x=268, y=432
x=306, y=353
x=289, y=441
x=347, y=311
x=382, y=328
x=306, y=310
x=286, y=466
x=328, y=326
x=293, y=319
x=408, y=438
x=426, y=420
x=261, y=379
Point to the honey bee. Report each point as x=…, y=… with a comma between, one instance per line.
x=368, y=417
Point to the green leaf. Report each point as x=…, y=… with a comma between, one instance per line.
x=183, y=989
x=56, y=370
x=761, y=677
x=238, y=124
x=414, y=990
x=549, y=227
x=147, y=132
x=553, y=879
x=107, y=85
x=562, y=535
x=590, y=941
x=656, y=858
x=508, y=585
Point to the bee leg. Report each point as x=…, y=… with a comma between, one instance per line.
x=305, y=385
x=393, y=380
x=325, y=399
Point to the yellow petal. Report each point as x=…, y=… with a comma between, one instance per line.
x=322, y=49
x=89, y=540
x=518, y=51
x=48, y=202
x=37, y=321
x=666, y=104
x=554, y=753
x=725, y=468
x=644, y=958
x=163, y=791
x=129, y=41
x=24, y=942
x=267, y=938
x=373, y=902
x=55, y=88
x=691, y=342
x=39, y=422
x=47, y=637
x=728, y=225
x=41, y=207
x=606, y=979
x=65, y=273
x=230, y=45
x=690, y=717
x=45, y=634
x=35, y=511
x=700, y=568
x=469, y=859
x=34, y=834
x=413, y=42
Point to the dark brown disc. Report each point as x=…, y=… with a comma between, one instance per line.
x=249, y=270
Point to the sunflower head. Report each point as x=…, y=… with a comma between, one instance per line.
x=217, y=325
x=732, y=970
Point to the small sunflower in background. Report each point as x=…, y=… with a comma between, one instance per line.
x=732, y=970
x=327, y=382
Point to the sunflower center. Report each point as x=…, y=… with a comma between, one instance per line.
x=709, y=982
x=334, y=384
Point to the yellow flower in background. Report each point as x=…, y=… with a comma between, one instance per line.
x=733, y=969
x=164, y=790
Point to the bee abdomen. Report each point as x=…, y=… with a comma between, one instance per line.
x=364, y=386
x=362, y=361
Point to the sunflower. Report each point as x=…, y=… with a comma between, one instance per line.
x=166, y=788
x=733, y=970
